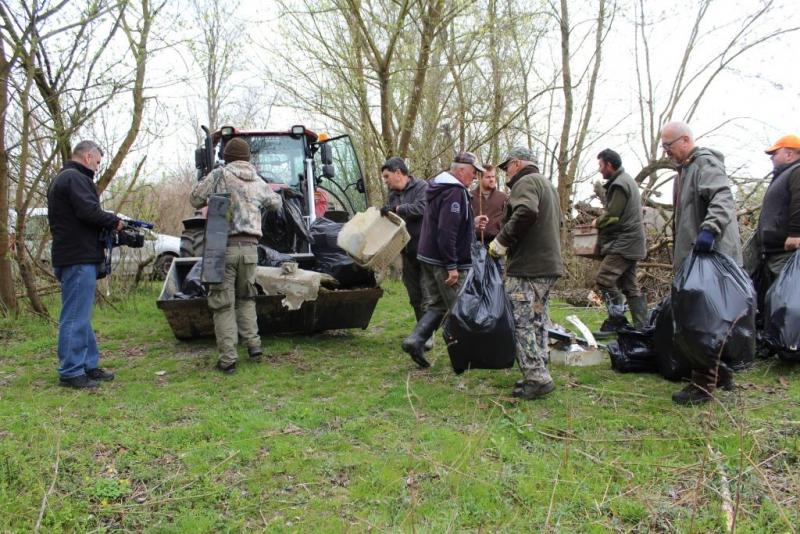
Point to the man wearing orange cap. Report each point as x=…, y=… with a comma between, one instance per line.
x=778, y=231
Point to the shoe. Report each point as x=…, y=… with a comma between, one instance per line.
x=98, y=373
x=533, y=390
x=227, y=369
x=78, y=382
x=725, y=378
x=255, y=353
x=699, y=391
x=414, y=344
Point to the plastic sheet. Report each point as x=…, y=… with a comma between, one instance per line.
x=332, y=260
x=268, y=257
x=479, y=330
x=782, y=312
x=714, y=309
x=192, y=287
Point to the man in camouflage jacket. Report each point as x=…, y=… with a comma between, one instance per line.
x=233, y=300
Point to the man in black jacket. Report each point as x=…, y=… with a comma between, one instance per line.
x=448, y=230
x=407, y=199
x=76, y=220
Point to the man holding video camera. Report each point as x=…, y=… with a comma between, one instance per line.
x=76, y=222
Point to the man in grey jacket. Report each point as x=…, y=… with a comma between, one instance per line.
x=621, y=236
x=705, y=218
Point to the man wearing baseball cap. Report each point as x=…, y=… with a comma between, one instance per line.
x=778, y=230
x=530, y=239
x=444, y=248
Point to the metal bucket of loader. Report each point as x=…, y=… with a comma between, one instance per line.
x=190, y=318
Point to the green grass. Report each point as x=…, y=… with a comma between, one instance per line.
x=338, y=432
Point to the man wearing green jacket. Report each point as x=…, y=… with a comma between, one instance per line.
x=621, y=238
x=530, y=239
x=705, y=218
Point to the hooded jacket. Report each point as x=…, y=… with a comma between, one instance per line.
x=75, y=217
x=703, y=200
x=248, y=194
x=531, y=227
x=447, y=225
x=409, y=204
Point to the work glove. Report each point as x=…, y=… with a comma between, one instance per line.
x=385, y=210
x=496, y=250
x=705, y=241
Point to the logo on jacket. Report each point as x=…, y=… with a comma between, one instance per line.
x=455, y=207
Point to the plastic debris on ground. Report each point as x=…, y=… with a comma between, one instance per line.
x=297, y=285
x=479, y=330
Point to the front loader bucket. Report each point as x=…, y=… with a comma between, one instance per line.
x=332, y=310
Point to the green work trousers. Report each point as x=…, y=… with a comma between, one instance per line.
x=233, y=302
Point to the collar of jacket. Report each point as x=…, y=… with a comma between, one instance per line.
x=524, y=171
x=778, y=170
x=83, y=169
x=409, y=183
x=613, y=177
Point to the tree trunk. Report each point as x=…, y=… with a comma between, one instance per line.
x=8, y=297
x=565, y=181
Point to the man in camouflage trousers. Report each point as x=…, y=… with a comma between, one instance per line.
x=233, y=300
x=530, y=240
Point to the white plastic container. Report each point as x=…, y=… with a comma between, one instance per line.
x=373, y=241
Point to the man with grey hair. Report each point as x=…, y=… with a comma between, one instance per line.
x=530, y=239
x=444, y=248
x=76, y=220
x=705, y=218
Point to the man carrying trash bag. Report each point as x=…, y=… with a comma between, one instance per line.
x=705, y=220
x=530, y=240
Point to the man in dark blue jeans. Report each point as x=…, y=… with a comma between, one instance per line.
x=76, y=220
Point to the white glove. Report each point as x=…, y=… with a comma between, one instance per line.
x=496, y=250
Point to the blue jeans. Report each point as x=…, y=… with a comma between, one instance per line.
x=77, y=346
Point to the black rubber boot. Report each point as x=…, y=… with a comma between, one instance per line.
x=615, y=307
x=414, y=344
x=725, y=377
x=699, y=391
x=638, y=307
x=418, y=313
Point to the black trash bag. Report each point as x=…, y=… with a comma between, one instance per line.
x=633, y=351
x=782, y=311
x=284, y=230
x=192, y=287
x=268, y=257
x=670, y=362
x=714, y=304
x=479, y=330
x=332, y=260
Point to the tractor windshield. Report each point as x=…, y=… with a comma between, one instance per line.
x=278, y=158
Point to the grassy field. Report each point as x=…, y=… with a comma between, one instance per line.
x=338, y=432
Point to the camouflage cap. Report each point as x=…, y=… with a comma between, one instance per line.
x=521, y=153
x=470, y=159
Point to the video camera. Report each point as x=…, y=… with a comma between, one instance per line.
x=129, y=236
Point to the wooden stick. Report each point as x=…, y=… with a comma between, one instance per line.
x=55, y=476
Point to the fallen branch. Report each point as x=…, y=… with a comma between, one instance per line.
x=725, y=490
x=55, y=477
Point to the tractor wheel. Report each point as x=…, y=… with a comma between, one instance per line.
x=192, y=242
x=162, y=265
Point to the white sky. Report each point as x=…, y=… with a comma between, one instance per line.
x=763, y=88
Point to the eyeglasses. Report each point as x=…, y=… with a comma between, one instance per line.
x=666, y=146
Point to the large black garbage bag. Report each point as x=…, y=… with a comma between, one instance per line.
x=333, y=260
x=633, y=351
x=192, y=287
x=782, y=312
x=670, y=362
x=268, y=257
x=714, y=304
x=479, y=330
x=284, y=230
